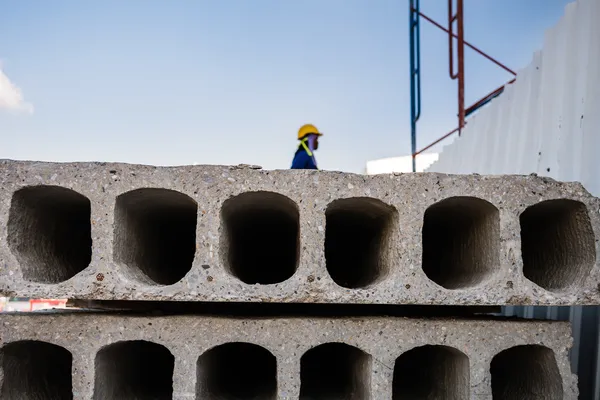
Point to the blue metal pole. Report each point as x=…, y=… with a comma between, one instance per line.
x=415, y=76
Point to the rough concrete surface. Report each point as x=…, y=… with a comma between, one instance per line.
x=198, y=357
x=215, y=233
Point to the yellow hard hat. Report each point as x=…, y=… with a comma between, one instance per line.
x=306, y=129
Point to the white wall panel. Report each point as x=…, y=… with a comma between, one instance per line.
x=590, y=119
x=548, y=121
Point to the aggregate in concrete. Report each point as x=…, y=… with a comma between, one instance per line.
x=215, y=233
x=102, y=357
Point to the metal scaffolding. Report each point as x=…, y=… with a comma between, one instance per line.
x=456, y=44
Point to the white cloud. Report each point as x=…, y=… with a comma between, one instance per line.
x=11, y=98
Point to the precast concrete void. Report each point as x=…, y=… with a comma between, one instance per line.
x=49, y=232
x=526, y=372
x=358, y=235
x=335, y=371
x=260, y=237
x=558, y=244
x=135, y=369
x=155, y=234
x=461, y=242
x=234, y=371
x=33, y=369
x=431, y=373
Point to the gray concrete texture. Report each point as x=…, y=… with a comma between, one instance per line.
x=107, y=357
x=216, y=233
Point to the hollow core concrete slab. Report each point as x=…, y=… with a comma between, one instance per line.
x=104, y=356
x=213, y=233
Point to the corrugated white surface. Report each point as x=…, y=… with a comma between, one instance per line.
x=548, y=121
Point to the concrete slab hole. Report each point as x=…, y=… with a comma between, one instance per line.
x=557, y=244
x=49, y=232
x=461, y=242
x=155, y=234
x=526, y=372
x=35, y=370
x=260, y=237
x=335, y=371
x=358, y=236
x=134, y=370
x=235, y=371
x=431, y=373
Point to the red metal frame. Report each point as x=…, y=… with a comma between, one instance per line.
x=436, y=142
x=460, y=73
x=469, y=45
x=479, y=103
x=458, y=18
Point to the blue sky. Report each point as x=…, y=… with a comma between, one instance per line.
x=230, y=81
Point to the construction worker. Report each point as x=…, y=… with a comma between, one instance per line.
x=308, y=135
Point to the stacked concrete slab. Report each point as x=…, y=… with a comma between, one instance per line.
x=118, y=232
x=183, y=357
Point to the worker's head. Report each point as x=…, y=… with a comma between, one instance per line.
x=313, y=141
x=310, y=133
